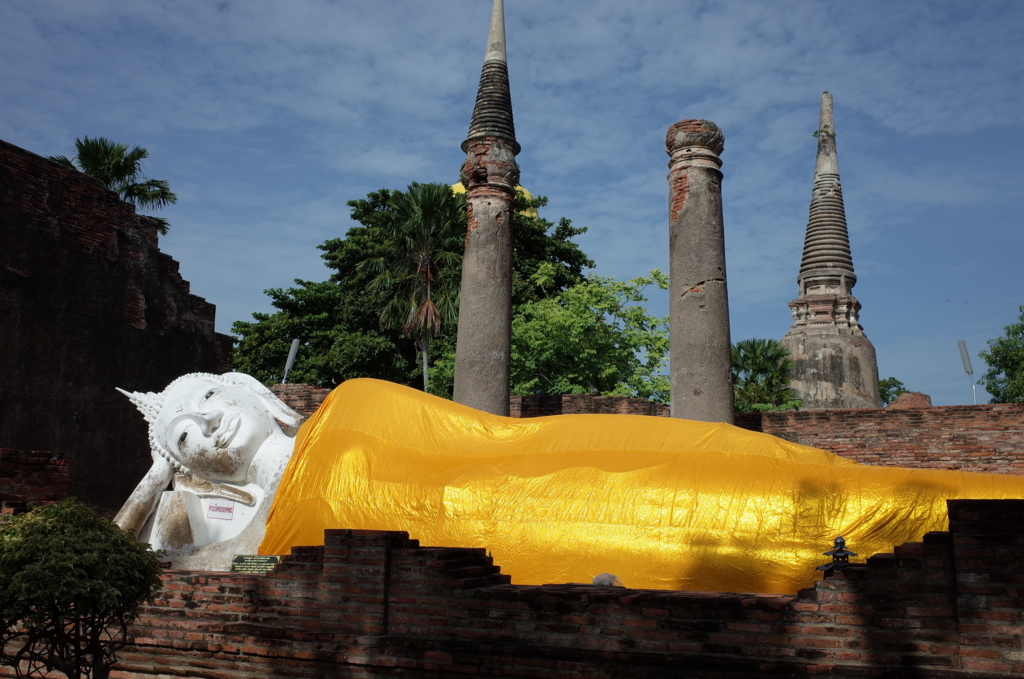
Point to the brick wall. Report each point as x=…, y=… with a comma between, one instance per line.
x=542, y=404
x=31, y=476
x=88, y=303
x=376, y=604
x=983, y=438
x=302, y=398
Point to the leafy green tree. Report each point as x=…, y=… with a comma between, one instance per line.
x=889, y=389
x=423, y=250
x=545, y=259
x=1004, y=379
x=338, y=320
x=70, y=584
x=120, y=169
x=593, y=336
x=761, y=371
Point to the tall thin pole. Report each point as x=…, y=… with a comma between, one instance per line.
x=966, y=358
x=290, y=363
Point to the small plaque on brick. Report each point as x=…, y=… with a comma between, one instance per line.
x=253, y=564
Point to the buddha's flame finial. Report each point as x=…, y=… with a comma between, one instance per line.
x=148, y=403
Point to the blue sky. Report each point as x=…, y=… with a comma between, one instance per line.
x=266, y=117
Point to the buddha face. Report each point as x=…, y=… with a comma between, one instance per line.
x=214, y=429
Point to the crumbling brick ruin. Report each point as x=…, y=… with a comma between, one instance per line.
x=302, y=398
x=981, y=438
x=88, y=303
x=377, y=604
x=30, y=477
x=541, y=405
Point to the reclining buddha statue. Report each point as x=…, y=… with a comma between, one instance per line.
x=222, y=443
x=662, y=503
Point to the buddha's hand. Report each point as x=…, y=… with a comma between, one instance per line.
x=142, y=501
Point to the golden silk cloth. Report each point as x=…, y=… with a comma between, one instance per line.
x=661, y=503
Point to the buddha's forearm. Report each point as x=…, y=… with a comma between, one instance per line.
x=142, y=501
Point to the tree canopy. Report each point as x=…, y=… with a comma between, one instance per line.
x=1004, y=379
x=120, y=169
x=889, y=389
x=761, y=371
x=70, y=584
x=422, y=249
x=592, y=336
x=338, y=320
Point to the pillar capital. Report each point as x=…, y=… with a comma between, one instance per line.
x=694, y=143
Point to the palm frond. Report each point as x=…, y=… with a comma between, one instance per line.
x=423, y=237
x=161, y=223
x=63, y=160
x=120, y=169
x=150, y=193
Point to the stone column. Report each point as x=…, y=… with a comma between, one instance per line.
x=700, y=353
x=484, y=340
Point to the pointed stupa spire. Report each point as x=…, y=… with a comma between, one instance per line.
x=496, y=38
x=827, y=162
x=827, y=264
x=834, y=363
x=492, y=115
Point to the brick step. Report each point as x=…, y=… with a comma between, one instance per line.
x=906, y=556
x=487, y=581
x=473, y=571
x=442, y=553
x=447, y=564
x=306, y=549
x=186, y=665
x=457, y=564
x=300, y=560
x=938, y=537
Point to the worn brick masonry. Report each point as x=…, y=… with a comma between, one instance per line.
x=88, y=303
x=302, y=398
x=30, y=476
x=376, y=604
x=982, y=438
x=542, y=405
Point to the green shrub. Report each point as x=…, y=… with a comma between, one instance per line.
x=70, y=584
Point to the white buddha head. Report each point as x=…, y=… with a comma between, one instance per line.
x=213, y=426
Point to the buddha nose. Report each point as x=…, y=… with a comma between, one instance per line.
x=213, y=420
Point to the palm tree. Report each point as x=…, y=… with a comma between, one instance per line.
x=424, y=233
x=760, y=376
x=120, y=169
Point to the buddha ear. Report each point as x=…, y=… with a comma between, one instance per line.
x=276, y=406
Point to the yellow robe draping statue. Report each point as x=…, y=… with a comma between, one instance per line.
x=661, y=503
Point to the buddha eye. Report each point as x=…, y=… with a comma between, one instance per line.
x=181, y=439
x=208, y=394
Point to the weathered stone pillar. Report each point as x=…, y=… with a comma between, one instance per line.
x=834, y=361
x=484, y=340
x=700, y=352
